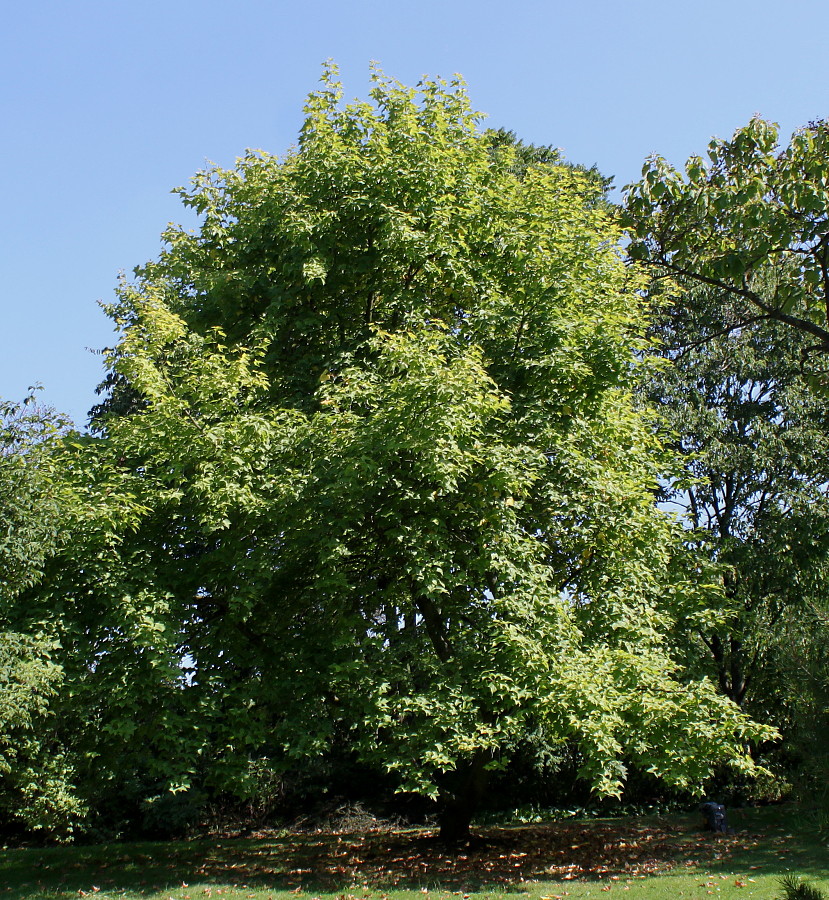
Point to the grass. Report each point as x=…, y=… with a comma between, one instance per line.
x=653, y=858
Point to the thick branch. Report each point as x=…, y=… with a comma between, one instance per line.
x=771, y=311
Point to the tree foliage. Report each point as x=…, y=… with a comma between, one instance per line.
x=30, y=513
x=754, y=482
x=372, y=474
x=752, y=222
x=35, y=774
x=741, y=243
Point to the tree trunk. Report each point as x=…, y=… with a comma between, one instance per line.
x=462, y=804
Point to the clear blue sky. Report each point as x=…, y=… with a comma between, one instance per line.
x=107, y=105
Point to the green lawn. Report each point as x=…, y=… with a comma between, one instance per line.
x=653, y=857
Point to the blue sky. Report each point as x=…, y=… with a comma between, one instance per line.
x=106, y=106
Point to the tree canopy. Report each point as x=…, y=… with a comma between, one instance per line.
x=35, y=775
x=372, y=473
x=752, y=221
x=737, y=250
x=753, y=486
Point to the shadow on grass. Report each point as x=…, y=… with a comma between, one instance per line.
x=770, y=842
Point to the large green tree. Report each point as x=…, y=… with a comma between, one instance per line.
x=382, y=477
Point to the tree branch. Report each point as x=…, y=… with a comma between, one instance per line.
x=771, y=311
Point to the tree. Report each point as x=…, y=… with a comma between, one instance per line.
x=90, y=706
x=35, y=773
x=753, y=487
x=752, y=223
x=98, y=613
x=30, y=513
x=375, y=425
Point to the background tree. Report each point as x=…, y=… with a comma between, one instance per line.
x=754, y=492
x=751, y=223
x=30, y=512
x=372, y=473
x=35, y=772
x=745, y=235
x=91, y=717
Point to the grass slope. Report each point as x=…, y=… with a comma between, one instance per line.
x=658, y=858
